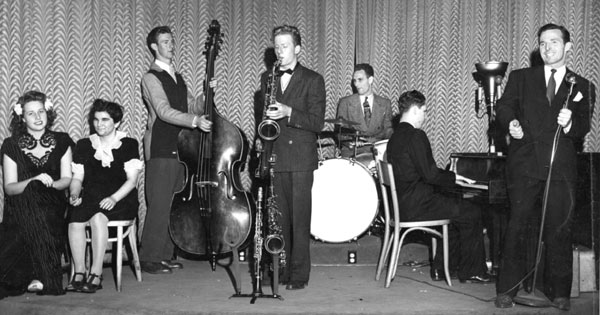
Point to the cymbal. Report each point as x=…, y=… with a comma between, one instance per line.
x=341, y=121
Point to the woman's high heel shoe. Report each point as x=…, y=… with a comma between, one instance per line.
x=76, y=285
x=90, y=286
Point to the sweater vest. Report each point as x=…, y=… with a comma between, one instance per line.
x=164, y=135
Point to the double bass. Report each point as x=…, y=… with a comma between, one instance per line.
x=212, y=214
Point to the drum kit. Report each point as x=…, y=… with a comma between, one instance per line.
x=345, y=200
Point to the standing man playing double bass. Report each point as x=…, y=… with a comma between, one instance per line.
x=300, y=111
x=170, y=108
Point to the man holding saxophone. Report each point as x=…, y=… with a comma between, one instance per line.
x=299, y=109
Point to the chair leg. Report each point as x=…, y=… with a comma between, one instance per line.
x=385, y=249
x=446, y=254
x=396, y=244
x=136, y=259
x=119, y=256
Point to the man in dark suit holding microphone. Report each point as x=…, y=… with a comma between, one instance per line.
x=532, y=110
x=300, y=112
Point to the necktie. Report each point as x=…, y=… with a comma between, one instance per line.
x=551, y=87
x=367, y=110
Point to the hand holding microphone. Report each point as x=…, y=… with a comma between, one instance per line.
x=515, y=129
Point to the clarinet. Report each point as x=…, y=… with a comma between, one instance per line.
x=258, y=240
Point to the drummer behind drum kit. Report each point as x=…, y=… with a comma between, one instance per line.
x=344, y=194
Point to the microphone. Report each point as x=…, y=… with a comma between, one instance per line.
x=571, y=78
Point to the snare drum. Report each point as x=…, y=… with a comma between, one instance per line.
x=344, y=200
x=379, y=149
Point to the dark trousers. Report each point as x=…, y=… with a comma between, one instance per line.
x=164, y=177
x=558, y=253
x=293, y=190
x=467, y=252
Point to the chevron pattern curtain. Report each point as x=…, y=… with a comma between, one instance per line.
x=79, y=50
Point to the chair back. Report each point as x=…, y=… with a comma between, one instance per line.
x=388, y=191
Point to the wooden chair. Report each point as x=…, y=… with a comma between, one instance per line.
x=393, y=241
x=131, y=234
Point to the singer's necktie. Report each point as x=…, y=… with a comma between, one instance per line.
x=367, y=109
x=551, y=87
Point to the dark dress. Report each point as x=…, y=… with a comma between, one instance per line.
x=33, y=233
x=100, y=182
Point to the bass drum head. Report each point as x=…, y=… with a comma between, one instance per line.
x=344, y=201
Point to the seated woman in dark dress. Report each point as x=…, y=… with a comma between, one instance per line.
x=105, y=173
x=36, y=165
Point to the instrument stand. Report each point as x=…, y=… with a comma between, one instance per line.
x=257, y=289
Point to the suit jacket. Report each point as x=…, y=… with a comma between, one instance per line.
x=380, y=126
x=417, y=175
x=524, y=99
x=156, y=101
x=296, y=146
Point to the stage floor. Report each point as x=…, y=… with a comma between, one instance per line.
x=333, y=289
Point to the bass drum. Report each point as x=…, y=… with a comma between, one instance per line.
x=344, y=200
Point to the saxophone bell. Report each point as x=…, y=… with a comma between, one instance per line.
x=268, y=130
x=274, y=243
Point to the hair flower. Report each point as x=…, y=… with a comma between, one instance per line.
x=18, y=109
x=48, y=104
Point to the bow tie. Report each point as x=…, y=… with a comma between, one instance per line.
x=288, y=71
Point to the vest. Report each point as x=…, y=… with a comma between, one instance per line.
x=164, y=135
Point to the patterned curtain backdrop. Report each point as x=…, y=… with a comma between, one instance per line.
x=433, y=45
x=79, y=50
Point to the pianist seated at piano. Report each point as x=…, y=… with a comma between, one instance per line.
x=418, y=180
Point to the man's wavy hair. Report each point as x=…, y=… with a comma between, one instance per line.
x=410, y=98
x=288, y=29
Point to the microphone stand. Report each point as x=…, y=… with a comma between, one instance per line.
x=535, y=298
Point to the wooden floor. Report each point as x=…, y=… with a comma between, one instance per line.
x=333, y=289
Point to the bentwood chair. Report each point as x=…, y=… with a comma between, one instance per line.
x=125, y=229
x=393, y=234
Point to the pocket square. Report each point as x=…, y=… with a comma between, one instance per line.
x=577, y=97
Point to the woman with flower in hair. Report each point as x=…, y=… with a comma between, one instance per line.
x=36, y=165
x=105, y=172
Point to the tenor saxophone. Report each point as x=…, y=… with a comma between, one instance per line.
x=268, y=130
x=274, y=242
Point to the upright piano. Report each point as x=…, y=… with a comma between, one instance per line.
x=490, y=191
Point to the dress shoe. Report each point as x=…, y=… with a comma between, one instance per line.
x=90, y=286
x=439, y=275
x=295, y=285
x=154, y=268
x=484, y=278
x=76, y=285
x=172, y=264
x=35, y=286
x=504, y=301
x=562, y=303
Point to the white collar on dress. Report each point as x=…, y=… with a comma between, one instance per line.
x=104, y=152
